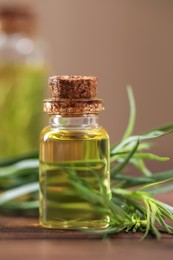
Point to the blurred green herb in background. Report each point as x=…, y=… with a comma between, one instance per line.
x=132, y=207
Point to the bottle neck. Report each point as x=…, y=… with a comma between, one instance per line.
x=87, y=121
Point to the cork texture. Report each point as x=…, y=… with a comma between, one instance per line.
x=69, y=107
x=72, y=95
x=73, y=87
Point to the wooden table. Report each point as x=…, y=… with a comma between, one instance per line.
x=23, y=238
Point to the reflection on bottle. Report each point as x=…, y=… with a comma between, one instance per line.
x=22, y=76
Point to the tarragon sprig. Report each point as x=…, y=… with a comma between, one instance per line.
x=130, y=210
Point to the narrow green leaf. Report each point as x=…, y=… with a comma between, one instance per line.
x=150, y=156
x=121, y=165
x=161, y=176
x=17, y=192
x=160, y=189
x=22, y=205
x=148, y=136
x=147, y=219
x=12, y=160
x=168, y=207
x=163, y=224
x=128, y=148
x=166, y=127
x=132, y=139
x=146, y=187
x=132, y=116
x=19, y=167
x=154, y=212
x=129, y=181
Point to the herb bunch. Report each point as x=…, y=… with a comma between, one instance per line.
x=132, y=207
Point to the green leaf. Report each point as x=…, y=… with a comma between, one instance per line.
x=19, y=167
x=161, y=176
x=160, y=189
x=131, y=139
x=129, y=209
x=121, y=165
x=17, y=192
x=146, y=187
x=132, y=116
x=130, y=181
x=168, y=207
x=167, y=127
x=15, y=159
x=150, y=156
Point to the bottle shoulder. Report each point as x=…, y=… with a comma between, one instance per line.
x=49, y=133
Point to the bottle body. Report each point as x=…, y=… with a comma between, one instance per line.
x=22, y=76
x=73, y=145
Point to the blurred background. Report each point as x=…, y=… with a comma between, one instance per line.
x=122, y=42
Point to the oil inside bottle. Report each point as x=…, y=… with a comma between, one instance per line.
x=83, y=152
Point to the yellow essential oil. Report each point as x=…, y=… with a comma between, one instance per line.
x=73, y=143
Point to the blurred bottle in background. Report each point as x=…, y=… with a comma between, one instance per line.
x=22, y=78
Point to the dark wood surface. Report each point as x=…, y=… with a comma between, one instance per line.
x=23, y=238
x=28, y=228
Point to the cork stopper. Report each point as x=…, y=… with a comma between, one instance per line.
x=73, y=86
x=73, y=95
x=15, y=18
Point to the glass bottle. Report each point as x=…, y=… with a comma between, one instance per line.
x=22, y=75
x=73, y=143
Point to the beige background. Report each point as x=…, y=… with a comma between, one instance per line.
x=122, y=42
